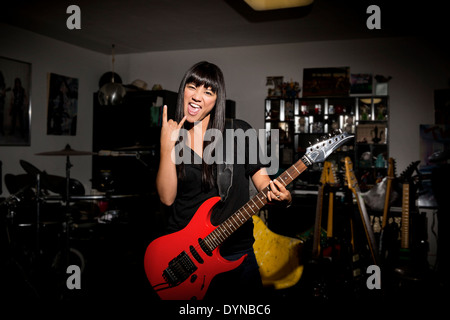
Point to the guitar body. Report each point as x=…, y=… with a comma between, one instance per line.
x=163, y=250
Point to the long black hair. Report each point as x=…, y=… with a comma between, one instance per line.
x=210, y=76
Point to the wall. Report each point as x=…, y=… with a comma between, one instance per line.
x=50, y=56
x=417, y=69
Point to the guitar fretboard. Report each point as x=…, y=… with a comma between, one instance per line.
x=405, y=217
x=318, y=223
x=235, y=221
x=353, y=185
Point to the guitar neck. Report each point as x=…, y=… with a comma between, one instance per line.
x=252, y=207
x=353, y=185
x=386, y=202
x=387, y=196
x=318, y=223
x=405, y=217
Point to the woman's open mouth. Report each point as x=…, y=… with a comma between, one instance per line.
x=193, y=109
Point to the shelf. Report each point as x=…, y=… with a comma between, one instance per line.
x=303, y=120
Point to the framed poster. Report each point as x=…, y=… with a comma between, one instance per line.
x=361, y=83
x=62, y=108
x=15, y=105
x=371, y=133
x=326, y=81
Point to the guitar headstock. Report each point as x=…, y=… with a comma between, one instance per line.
x=350, y=175
x=329, y=174
x=319, y=151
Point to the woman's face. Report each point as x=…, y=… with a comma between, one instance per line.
x=198, y=102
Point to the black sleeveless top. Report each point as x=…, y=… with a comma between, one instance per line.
x=190, y=195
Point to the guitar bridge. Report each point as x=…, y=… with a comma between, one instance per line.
x=180, y=268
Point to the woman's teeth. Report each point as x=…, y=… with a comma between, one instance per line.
x=194, y=109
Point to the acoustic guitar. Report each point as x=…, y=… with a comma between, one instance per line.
x=181, y=265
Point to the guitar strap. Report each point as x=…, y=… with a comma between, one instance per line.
x=225, y=170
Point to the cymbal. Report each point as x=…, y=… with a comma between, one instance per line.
x=136, y=147
x=29, y=168
x=53, y=183
x=67, y=151
x=92, y=197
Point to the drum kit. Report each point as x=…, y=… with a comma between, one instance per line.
x=37, y=188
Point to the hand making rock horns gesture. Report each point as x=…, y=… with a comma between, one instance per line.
x=169, y=131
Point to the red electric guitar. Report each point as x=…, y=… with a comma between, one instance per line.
x=181, y=265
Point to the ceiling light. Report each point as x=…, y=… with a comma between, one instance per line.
x=262, y=5
x=111, y=93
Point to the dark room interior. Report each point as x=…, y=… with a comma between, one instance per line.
x=350, y=98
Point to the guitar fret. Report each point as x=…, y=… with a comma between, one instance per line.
x=296, y=169
x=211, y=244
x=305, y=160
x=242, y=219
x=260, y=200
x=221, y=237
x=216, y=240
x=251, y=207
x=287, y=172
x=213, y=240
x=229, y=229
x=232, y=217
x=207, y=242
x=280, y=179
x=223, y=230
x=405, y=218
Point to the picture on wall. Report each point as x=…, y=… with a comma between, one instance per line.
x=62, y=108
x=15, y=105
x=361, y=83
x=326, y=81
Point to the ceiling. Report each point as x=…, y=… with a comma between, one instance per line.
x=135, y=26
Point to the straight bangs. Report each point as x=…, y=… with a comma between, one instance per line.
x=205, y=77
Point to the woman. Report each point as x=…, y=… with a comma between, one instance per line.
x=185, y=186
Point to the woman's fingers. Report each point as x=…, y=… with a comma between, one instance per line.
x=277, y=192
x=182, y=122
x=164, y=115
